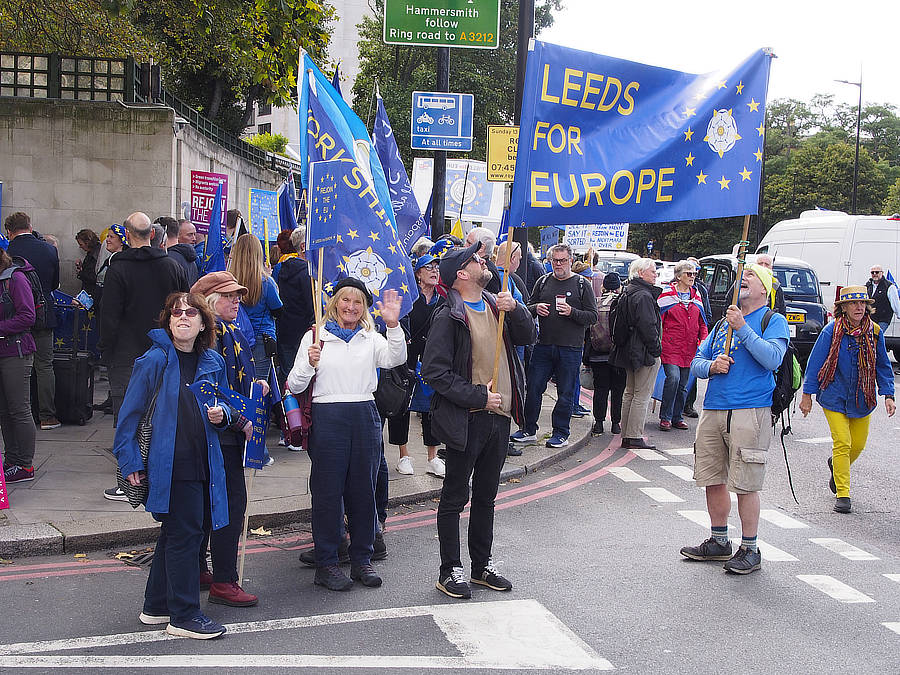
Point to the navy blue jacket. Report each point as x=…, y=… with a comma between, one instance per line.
x=45, y=259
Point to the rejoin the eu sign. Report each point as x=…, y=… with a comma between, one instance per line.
x=441, y=121
x=474, y=24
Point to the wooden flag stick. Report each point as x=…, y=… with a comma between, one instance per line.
x=318, y=303
x=246, y=525
x=742, y=255
x=500, y=320
x=266, y=234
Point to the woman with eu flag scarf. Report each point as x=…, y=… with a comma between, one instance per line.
x=223, y=295
x=846, y=365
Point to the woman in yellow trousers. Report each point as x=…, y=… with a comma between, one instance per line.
x=846, y=365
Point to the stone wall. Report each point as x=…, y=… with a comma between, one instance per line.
x=80, y=164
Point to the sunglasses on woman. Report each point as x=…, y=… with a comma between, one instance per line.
x=190, y=311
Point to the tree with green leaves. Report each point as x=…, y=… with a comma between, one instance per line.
x=401, y=70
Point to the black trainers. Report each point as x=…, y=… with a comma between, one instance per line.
x=332, y=578
x=690, y=412
x=491, y=578
x=616, y=428
x=597, y=429
x=379, y=550
x=708, y=550
x=308, y=557
x=454, y=584
x=744, y=561
x=366, y=575
x=831, y=485
x=842, y=505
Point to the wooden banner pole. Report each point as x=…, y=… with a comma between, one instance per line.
x=500, y=320
x=742, y=255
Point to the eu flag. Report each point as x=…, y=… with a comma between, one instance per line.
x=604, y=140
x=410, y=222
x=214, y=246
x=287, y=204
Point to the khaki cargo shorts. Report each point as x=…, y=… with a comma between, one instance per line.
x=732, y=447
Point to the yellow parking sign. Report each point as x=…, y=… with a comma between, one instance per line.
x=502, y=143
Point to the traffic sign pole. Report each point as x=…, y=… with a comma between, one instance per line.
x=440, y=156
x=526, y=32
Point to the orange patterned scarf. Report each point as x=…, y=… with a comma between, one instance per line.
x=864, y=334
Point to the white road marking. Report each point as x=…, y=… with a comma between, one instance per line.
x=820, y=439
x=503, y=635
x=685, y=473
x=661, y=495
x=892, y=625
x=841, y=547
x=623, y=473
x=893, y=577
x=699, y=517
x=781, y=519
x=769, y=553
x=834, y=588
x=645, y=453
x=678, y=451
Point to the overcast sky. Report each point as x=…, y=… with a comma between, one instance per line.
x=816, y=42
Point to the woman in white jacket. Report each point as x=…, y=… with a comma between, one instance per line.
x=345, y=439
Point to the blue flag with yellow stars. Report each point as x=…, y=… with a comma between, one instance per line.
x=467, y=185
x=214, y=247
x=255, y=408
x=604, y=140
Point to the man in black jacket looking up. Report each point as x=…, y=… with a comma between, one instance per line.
x=565, y=305
x=471, y=419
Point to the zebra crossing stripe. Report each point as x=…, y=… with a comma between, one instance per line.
x=893, y=577
x=769, y=553
x=683, y=472
x=892, y=625
x=646, y=453
x=661, y=495
x=676, y=452
x=781, y=519
x=842, y=548
x=820, y=439
x=834, y=588
x=625, y=474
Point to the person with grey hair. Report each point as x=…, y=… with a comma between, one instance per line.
x=637, y=348
x=487, y=239
x=565, y=305
x=683, y=329
x=421, y=247
x=157, y=236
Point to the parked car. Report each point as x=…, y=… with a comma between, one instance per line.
x=665, y=272
x=806, y=314
x=616, y=261
x=841, y=248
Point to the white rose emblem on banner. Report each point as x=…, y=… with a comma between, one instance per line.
x=722, y=133
x=369, y=268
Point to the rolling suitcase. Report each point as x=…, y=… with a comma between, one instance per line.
x=74, y=381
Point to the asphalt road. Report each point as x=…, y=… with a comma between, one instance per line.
x=591, y=546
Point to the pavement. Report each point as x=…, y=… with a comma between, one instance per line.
x=63, y=509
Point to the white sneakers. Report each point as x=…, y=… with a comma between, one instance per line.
x=405, y=466
x=435, y=466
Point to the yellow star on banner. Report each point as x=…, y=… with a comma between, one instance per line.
x=401, y=268
x=701, y=178
x=753, y=105
x=405, y=288
x=724, y=183
x=392, y=249
x=688, y=134
x=376, y=313
x=745, y=175
x=352, y=234
x=758, y=155
x=240, y=374
x=740, y=87
x=761, y=128
x=341, y=267
x=690, y=159
x=339, y=240
x=723, y=84
x=689, y=112
x=237, y=347
x=374, y=236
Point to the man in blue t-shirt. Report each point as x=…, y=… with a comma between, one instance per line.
x=734, y=428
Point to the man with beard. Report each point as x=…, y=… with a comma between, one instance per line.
x=470, y=415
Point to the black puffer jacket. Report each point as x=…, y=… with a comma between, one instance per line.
x=447, y=366
x=641, y=311
x=186, y=256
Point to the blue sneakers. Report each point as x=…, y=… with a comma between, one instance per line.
x=201, y=627
x=522, y=437
x=557, y=441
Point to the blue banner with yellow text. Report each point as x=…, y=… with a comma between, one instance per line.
x=607, y=140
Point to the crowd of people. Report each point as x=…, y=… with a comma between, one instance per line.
x=164, y=324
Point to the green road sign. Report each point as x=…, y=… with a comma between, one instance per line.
x=474, y=24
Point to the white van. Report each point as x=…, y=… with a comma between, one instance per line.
x=841, y=249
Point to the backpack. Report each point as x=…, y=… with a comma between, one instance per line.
x=601, y=332
x=37, y=294
x=618, y=321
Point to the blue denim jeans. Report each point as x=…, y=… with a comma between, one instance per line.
x=547, y=361
x=674, y=392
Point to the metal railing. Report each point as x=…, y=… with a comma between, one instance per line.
x=52, y=76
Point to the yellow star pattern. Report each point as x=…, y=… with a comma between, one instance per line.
x=688, y=134
x=405, y=288
x=689, y=112
x=59, y=343
x=761, y=129
x=339, y=240
x=237, y=347
x=758, y=155
x=401, y=268
x=341, y=267
x=723, y=184
x=392, y=249
x=701, y=178
x=753, y=105
x=374, y=236
x=740, y=87
x=240, y=374
x=723, y=84
x=690, y=159
x=745, y=175
x=352, y=234
x=376, y=313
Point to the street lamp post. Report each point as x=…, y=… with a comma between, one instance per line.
x=856, y=157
